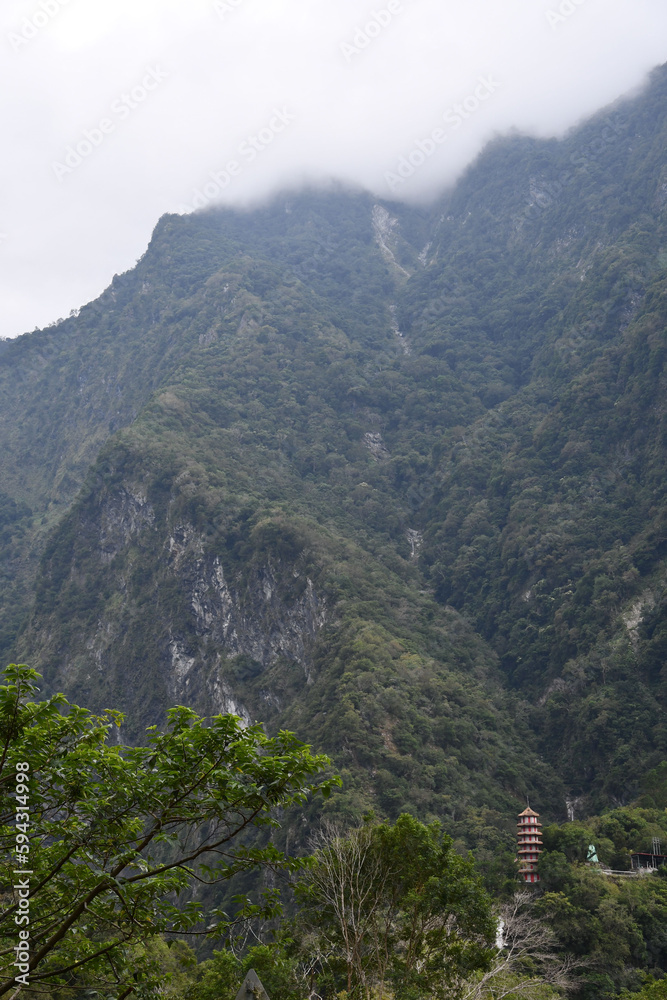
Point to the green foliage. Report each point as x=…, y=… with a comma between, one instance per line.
x=394, y=907
x=654, y=788
x=113, y=839
x=220, y=977
x=652, y=989
x=616, y=923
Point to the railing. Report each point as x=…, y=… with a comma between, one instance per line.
x=633, y=873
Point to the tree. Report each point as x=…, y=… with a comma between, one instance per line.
x=527, y=963
x=103, y=844
x=348, y=879
x=396, y=907
x=219, y=977
x=652, y=989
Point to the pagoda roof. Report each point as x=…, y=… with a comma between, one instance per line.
x=528, y=812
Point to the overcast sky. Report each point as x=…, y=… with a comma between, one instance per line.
x=116, y=111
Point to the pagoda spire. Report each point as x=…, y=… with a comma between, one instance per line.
x=529, y=837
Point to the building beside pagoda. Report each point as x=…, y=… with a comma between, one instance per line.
x=529, y=837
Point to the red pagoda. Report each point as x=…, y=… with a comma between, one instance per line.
x=530, y=842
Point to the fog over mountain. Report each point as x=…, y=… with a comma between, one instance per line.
x=116, y=112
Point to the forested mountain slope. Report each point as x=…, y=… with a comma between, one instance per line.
x=393, y=478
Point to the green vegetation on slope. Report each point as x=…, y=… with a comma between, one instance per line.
x=406, y=493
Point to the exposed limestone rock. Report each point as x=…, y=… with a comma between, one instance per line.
x=415, y=539
x=259, y=623
x=181, y=664
x=224, y=701
x=633, y=618
x=383, y=226
x=402, y=339
x=124, y=515
x=375, y=444
x=423, y=256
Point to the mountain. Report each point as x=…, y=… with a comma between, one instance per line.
x=391, y=477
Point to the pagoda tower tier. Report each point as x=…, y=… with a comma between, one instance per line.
x=529, y=837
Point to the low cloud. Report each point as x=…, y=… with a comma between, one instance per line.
x=384, y=95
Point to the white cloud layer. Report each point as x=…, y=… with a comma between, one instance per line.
x=116, y=111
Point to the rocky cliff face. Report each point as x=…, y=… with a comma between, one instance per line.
x=271, y=614
x=259, y=622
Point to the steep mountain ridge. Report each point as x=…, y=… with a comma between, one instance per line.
x=391, y=477
x=208, y=561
